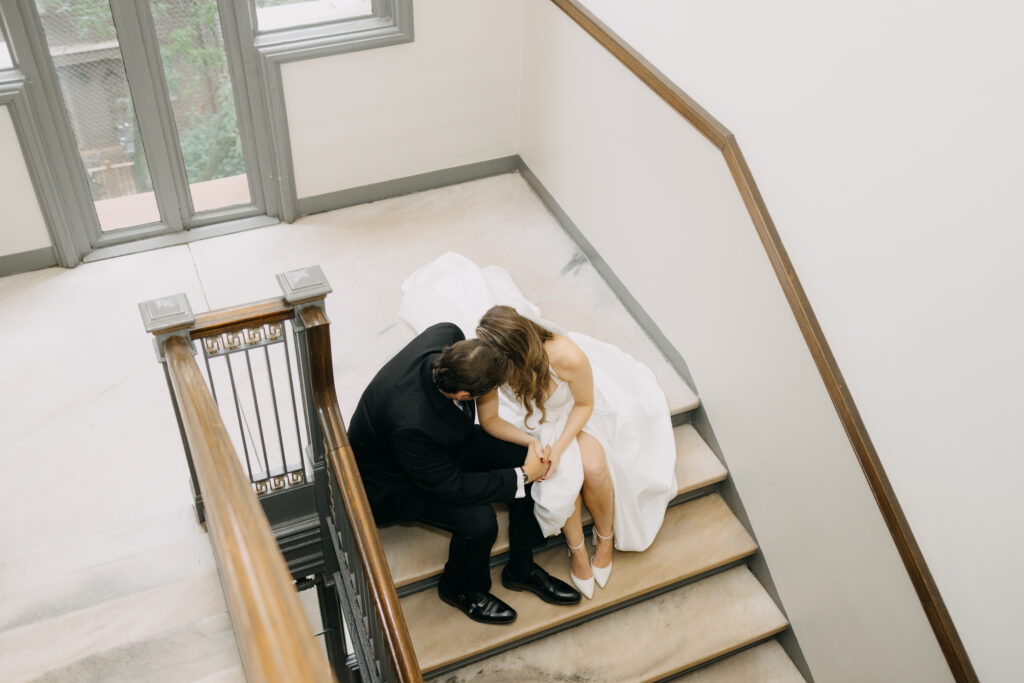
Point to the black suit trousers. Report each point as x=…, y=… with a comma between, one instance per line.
x=474, y=528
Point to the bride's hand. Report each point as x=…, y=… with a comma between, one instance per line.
x=552, y=457
x=535, y=449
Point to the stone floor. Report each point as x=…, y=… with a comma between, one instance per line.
x=104, y=573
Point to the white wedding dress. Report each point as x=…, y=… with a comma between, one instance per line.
x=630, y=418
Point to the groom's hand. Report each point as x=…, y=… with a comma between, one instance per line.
x=534, y=466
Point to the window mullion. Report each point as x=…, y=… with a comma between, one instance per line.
x=245, y=75
x=140, y=51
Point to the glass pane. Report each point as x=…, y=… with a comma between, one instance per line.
x=275, y=14
x=196, y=70
x=5, y=54
x=82, y=40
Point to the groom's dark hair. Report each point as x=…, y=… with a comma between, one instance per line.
x=470, y=365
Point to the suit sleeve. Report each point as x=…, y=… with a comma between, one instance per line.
x=432, y=470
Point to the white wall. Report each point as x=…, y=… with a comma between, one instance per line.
x=657, y=201
x=22, y=227
x=887, y=140
x=449, y=98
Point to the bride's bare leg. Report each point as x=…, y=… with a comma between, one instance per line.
x=573, y=531
x=598, y=495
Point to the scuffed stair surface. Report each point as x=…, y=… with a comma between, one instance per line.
x=697, y=537
x=176, y=631
x=766, y=663
x=647, y=641
x=416, y=552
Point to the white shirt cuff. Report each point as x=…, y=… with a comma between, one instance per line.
x=520, y=486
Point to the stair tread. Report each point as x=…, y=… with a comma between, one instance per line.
x=696, y=537
x=416, y=552
x=669, y=633
x=765, y=663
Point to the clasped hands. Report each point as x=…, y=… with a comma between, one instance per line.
x=540, y=463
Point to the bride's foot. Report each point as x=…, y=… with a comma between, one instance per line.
x=601, y=565
x=579, y=570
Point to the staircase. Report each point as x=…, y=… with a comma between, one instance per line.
x=105, y=594
x=689, y=600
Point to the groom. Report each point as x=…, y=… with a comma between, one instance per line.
x=423, y=459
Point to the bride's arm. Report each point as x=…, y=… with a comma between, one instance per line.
x=498, y=427
x=573, y=366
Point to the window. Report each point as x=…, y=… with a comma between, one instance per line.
x=84, y=47
x=151, y=107
x=286, y=30
x=162, y=121
x=277, y=14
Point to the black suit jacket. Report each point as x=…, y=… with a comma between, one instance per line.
x=405, y=431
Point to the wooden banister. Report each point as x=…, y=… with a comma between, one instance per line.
x=274, y=637
x=236, y=318
x=342, y=462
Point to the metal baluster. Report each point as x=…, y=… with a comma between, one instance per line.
x=238, y=414
x=277, y=417
x=209, y=373
x=295, y=409
x=259, y=420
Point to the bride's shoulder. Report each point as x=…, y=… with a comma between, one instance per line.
x=564, y=356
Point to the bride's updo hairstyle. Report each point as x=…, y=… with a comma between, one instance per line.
x=522, y=341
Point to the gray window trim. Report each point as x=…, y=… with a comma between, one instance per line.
x=264, y=53
x=55, y=162
x=32, y=93
x=5, y=33
x=134, y=25
x=44, y=142
x=390, y=24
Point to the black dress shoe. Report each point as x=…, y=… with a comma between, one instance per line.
x=482, y=607
x=543, y=585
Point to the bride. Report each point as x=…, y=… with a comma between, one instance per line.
x=594, y=411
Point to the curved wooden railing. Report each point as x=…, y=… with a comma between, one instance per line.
x=373, y=565
x=720, y=136
x=353, y=577
x=274, y=637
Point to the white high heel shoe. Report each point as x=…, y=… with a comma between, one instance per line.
x=585, y=586
x=601, y=574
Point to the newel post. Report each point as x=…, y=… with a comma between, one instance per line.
x=306, y=288
x=303, y=289
x=166, y=317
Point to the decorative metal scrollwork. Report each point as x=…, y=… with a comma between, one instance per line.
x=279, y=482
x=248, y=338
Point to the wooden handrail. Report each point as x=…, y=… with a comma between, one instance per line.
x=274, y=637
x=927, y=590
x=235, y=318
x=342, y=462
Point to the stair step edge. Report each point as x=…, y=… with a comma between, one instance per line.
x=737, y=613
x=698, y=538
x=698, y=472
